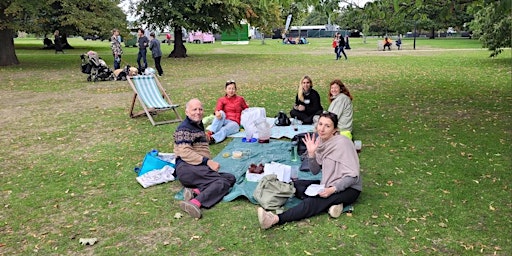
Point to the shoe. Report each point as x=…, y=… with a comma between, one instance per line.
x=265, y=218
x=335, y=210
x=191, y=209
x=188, y=194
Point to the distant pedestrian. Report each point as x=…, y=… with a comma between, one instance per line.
x=347, y=45
x=143, y=43
x=340, y=45
x=156, y=52
x=168, y=37
x=116, y=48
x=57, y=42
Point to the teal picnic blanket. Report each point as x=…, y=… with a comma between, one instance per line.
x=276, y=151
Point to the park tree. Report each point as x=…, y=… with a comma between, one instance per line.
x=493, y=24
x=204, y=15
x=70, y=17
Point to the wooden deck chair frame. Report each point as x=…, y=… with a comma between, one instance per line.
x=152, y=97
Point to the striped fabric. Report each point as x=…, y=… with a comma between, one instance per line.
x=149, y=93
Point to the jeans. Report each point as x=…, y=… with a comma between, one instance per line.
x=142, y=55
x=117, y=62
x=223, y=127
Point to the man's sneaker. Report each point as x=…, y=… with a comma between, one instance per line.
x=188, y=194
x=190, y=208
x=335, y=210
x=265, y=218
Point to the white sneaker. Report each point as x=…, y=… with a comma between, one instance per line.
x=335, y=210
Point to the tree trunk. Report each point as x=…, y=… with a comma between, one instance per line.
x=179, y=50
x=7, y=52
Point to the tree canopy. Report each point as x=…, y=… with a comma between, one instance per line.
x=70, y=17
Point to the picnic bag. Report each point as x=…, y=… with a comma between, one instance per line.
x=271, y=193
x=153, y=161
x=282, y=119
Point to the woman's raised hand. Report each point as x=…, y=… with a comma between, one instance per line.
x=311, y=142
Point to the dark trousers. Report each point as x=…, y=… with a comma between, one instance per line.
x=142, y=56
x=339, y=51
x=158, y=66
x=311, y=206
x=117, y=63
x=303, y=116
x=213, y=185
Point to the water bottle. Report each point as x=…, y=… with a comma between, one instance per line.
x=154, y=152
x=295, y=156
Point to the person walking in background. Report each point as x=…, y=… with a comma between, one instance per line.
x=340, y=46
x=204, y=185
x=156, y=52
x=168, y=37
x=143, y=43
x=341, y=105
x=228, y=113
x=307, y=102
x=116, y=48
x=387, y=43
x=57, y=41
x=347, y=44
x=336, y=157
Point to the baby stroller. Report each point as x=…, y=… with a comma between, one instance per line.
x=97, y=69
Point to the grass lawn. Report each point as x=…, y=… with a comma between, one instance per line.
x=435, y=123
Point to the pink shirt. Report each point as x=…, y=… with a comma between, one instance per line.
x=232, y=106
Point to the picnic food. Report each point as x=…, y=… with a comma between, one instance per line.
x=256, y=168
x=237, y=154
x=226, y=155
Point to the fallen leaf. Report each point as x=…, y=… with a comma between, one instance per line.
x=442, y=224
x=87, y=241
x=307, y=253
x=492, y=208
x=178, y=215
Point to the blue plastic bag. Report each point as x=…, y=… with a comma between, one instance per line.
x=152, y=162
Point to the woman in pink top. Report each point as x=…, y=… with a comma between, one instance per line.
x=227, y=114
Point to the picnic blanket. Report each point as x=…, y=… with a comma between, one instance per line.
x=279, y=131
x=275, y=151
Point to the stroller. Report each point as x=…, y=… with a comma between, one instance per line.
x=95, y=67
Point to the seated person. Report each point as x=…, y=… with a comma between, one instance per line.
x=204, y=185
x=336, y=157
x=341, y=105
x=307, y=102
x=228, y=113
x=398, y=42
x=387, y=43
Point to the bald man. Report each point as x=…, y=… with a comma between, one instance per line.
x=197, y=172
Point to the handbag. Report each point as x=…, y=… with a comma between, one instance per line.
x=282, y=119
x=155, y=161
x=271, y=193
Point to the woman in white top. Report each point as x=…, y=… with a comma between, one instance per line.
x=341, y=105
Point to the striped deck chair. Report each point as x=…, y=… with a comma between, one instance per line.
x=152, y=97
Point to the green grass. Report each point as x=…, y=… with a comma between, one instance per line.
x=436, y=159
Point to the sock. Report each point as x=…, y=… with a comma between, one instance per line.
x=194, y=201
x=196, y=191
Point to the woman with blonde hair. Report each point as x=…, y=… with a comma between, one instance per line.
x=307, y=102
x=341, y=105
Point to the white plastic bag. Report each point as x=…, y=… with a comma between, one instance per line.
x=250, y=116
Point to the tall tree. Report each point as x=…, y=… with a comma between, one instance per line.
x=205, y=15
x=44, y=16
x=493, y=25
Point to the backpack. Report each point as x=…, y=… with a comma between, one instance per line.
x=282, y=119
x=271, y=193
x=334, y=44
